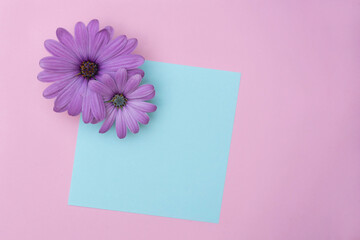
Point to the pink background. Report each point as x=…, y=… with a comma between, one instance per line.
x=294, y=166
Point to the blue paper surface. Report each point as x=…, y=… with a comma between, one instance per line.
x=176, y=165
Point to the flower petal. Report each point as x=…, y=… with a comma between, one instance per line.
x=130, y=46
x=49, y=76
x=132, y=83
x=139, y=116
x=120, y=124
x=109, y=82
x=108, y=105
x=132, y=72
x=120, y=79
x=81, y=39
x=97, y=106
x=57, y=64
x=100, y=40
x=130, y=121
x=66, y=95
x=109, y=120
x=54, y=89
x=67, y=40
x=93, y=28
x=143, y=92
x=86, y=110
x=101, y=88
x=142, y=106
x=94, y=121
x=75, y=105
x=126, y=61
x=59, y=50
x=110, y=30
x=112, y=48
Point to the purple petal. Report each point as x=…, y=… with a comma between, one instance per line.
x=126, y=61
x=109, y=121
x=97, y=106
x=81, y=39
x=101, y=73
x=54, y=89
x=130, y=46
x=86, y=110
x=49, y=76
x=108, y=105
x=132, y=72
x=130, y=121
x=59, y=50
x=112, y=48
x=143, y=92
x=76, y=103
x=93, y=28
x=110, y=30
x=131, y=84
x=66, y=95
x=101, y=88
x=142, y=106
x=120, y=124
x=139, y=116
x=57, y=64
x=67, y=40
x=100, y=40
x=94, y=121
x=120, y=79
x=146, y=98
x=109, y=82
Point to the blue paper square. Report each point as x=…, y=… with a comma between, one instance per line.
x=176, y=165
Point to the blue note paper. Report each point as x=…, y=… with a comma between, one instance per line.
x=176, y=165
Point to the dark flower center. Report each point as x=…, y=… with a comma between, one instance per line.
x=88, y=69
x=119, y=100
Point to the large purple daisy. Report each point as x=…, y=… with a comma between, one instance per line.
x=77, y=60
x=124, y=101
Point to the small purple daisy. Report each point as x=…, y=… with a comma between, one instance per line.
x=124, y=101
x=77, y=60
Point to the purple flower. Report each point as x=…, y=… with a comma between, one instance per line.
x=124, y=101
x=77, y=60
